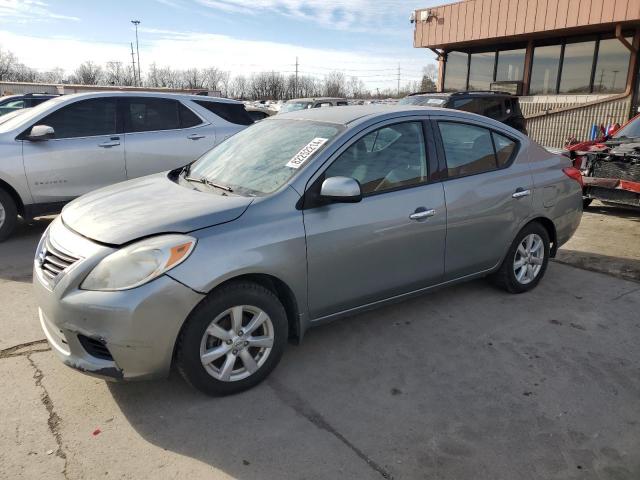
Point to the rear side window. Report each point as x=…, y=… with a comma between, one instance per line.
x=151, y=114
x=470, y=149
x=86, y=118
x=188, y=119
x=231, y=112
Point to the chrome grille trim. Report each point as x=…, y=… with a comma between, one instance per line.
x=53, y=260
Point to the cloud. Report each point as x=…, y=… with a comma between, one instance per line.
x=182, y=50
x=23, y=11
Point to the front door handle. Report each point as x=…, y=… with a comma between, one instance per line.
x=195, y=136
x=521, y=192
x=113, y=142
x=422, y=214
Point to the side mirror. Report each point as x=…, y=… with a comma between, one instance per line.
x=341, y=189
x=40, y=132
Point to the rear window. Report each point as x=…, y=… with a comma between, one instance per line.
x=231, y=112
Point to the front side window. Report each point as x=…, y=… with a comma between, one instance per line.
x=258, y=160
x=576, y=67
x=390, y=157
x=86, y=118
x=544, y=71
x=470, y=149
x=455, y=74
x=152, y=114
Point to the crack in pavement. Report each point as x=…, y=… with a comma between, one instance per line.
x=25, y=349
x=303, y=408
x=53, y=420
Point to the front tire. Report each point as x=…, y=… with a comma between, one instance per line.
x=8, y=215
x=526, y=261
x=233, y=339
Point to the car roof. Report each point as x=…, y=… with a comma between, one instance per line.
x=349, y=114
x=469, y=93
x=316, y=99
x=176, y=96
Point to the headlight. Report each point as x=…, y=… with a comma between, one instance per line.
x=139, y=263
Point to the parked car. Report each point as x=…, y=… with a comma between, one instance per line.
x=11, y=103
x=73, y=144
x=259, y=113
x=298, y=220
x=501, y=106
x=610, y=166
x=316, y=102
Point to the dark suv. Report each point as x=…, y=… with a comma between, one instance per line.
x=501, y=106
x=11, y=103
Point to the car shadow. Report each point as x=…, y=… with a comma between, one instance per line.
x=621, y=267
x=437, y=386
x=17, y=252
x=630, y=213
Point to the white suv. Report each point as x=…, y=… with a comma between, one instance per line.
x=73, y=144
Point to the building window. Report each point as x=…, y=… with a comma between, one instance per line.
x=612, y=66
x=544, y=71
x=576, y=67
x=481, y=70
x=510, y=65
x=455, y=74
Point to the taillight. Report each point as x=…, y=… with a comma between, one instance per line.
x=573, y=172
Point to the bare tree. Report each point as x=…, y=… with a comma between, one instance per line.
x=163, y=77
x=239, y=87
x=356, y=88
x=193, y=78
x=335, y=84
x=7, y=63
x=429, y=78
x=117, y=74
x=88, y=73
x=56, y=75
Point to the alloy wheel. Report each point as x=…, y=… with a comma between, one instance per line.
x=3, y=215
x=529, y=258
x=237, y=343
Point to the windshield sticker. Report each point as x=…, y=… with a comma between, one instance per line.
x=303, y=155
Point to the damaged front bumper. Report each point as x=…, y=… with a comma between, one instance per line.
x=124, y=335
x=613, y=190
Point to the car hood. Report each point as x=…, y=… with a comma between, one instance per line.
x=147, y=206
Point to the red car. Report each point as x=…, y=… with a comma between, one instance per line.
x=610, y=166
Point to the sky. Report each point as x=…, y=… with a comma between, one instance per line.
x=364, y=38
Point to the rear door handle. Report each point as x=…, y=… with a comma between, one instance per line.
x=195, y=136
x=521, y=192
x=422, y=214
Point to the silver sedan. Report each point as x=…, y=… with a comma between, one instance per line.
x=296, y=221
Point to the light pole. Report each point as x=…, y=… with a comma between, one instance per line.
x=136, y=23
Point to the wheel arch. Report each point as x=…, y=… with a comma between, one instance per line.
x=14, y=195
x=550, y=227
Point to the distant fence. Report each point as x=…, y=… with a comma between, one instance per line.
x=551, y=120
x=18, y=88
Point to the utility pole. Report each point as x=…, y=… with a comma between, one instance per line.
x=136, y=23
x=133, y=63
x=398, y=79
x=295, y=88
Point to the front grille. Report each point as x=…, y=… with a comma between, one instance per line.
x=95, y=348
x=622, y=170
x=53, y=261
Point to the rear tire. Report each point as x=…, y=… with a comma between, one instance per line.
x=525, y=263
x=8, y=215
x=216, y=352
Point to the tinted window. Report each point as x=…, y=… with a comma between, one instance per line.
x=544, y=72
x=481, y=71
x=187, y=117
x=86, y=118
x=455, y=75
x=36, y=101
x=14, y=104
x=151, y=114
x=473, y=105
x=468, y=149
x=510, y=65
x=504, y=148
x=257, y=116
x=231, y=112
x=388, y=158
x=612, y=66
x=576, y=67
